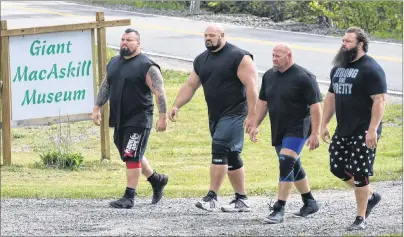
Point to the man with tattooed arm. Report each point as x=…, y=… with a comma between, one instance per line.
x=131, y=80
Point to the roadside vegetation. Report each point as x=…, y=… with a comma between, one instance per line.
x=381, y=19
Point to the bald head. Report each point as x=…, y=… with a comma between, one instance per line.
x=283, y=47
x=215, y=28
x=282, y=57
x=214, y=37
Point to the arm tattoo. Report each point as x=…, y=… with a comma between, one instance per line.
x=103, y=93
x=158, y=85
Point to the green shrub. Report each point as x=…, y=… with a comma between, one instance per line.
x=58, y=153
x=62, y=160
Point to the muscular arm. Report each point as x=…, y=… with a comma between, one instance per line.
x=154, y=80
x=103, y=94
x=379, y=102
x=329, y=108
x=187, y=91
x=315, y=113
x=260, y=112
x=248, y=75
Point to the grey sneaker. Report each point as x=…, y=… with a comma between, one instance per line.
x=208, y=203
x=123, y=202
x=310, y=207
x=372, y=203
x=237, y=205
x=359, y=224
x=277, y=215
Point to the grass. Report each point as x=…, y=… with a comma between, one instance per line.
x=182, y=152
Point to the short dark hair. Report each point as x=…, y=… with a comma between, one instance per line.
x=360, y=36
x=130, y=30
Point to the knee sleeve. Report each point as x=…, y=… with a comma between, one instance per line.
x=235, y=161
x=298, y=171
x=341, y=173
x=361, y=181
x=286, y=168
x=220, y=154
x=133, y=164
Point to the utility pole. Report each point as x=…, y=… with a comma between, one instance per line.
x=195, y=5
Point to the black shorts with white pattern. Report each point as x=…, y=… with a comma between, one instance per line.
x=350, y=155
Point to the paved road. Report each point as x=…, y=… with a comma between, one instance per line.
x=184, y=38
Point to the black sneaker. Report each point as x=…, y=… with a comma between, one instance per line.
x=277, y=215
x=372, y=203
x=309, y=207
x=123, y=202
x=158, y=188
x=359, y=224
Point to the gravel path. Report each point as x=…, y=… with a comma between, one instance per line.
x=179, y=217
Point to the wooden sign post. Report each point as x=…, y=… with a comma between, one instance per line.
x=48, y=74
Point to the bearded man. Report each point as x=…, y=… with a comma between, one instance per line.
x=228, y=76
x=357, y=95
x=131, y=80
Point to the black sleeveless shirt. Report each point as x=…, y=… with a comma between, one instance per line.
x=224, y=93
x=131, y=100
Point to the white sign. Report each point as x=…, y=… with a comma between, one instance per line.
x=51, y=74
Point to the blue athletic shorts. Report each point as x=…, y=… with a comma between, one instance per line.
x=293, y=143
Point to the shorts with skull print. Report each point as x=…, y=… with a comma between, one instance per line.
x=131, y=142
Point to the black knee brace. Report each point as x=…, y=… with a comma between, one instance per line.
x=361, y=181
x=235, y=161
x=219, y=154
x=298, y=171
x=286, y=168
x=340, y=173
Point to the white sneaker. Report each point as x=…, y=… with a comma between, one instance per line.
x=237, y=205
x=207, y=203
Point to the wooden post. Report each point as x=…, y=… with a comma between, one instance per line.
x=5, y=96
x=102, y=46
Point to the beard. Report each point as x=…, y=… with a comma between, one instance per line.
x=126, y=52
x=345, y=56
x=275, y=68
x=209, y=45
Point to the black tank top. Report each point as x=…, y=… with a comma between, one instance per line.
x=224, y=92
x=131, y=100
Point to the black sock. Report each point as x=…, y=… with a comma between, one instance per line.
x=154, y=177
x=212, y=194
x=130, y=193
x=306, y=196
x=281, y=202
x=241, y=196
x=360, y=218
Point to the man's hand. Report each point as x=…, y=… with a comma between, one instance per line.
x=253, y=134
x=313, y=141
x=173, y=113
x=161, y=124
x=249, y=123
x=96, y=115
x=371, y=139
x=325, y=134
